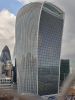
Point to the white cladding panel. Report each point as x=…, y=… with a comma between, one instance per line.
x=26, y=49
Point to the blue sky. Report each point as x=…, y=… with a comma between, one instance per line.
x=12, y=5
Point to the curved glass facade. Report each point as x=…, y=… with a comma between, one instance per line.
x=38, y=46
x=49, y=47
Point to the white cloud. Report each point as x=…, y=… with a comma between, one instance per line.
x=27, y=1
x=7, y=30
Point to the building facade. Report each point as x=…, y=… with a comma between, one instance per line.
x=64, y=70
x=15, y=73
x=5, y=55
x=38, y=44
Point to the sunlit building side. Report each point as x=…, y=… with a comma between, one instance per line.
x=38, y=45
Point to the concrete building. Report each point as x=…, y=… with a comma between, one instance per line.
x=39, y=29
x=8, y=69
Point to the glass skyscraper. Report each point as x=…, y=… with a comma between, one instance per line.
x=64, y=70
x=39, y=28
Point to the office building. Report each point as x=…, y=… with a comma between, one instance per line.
x=15, y=73
x=39, y=29
x=8, y=69
x=5, y=55
x=6, y=63
x=64, y=70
